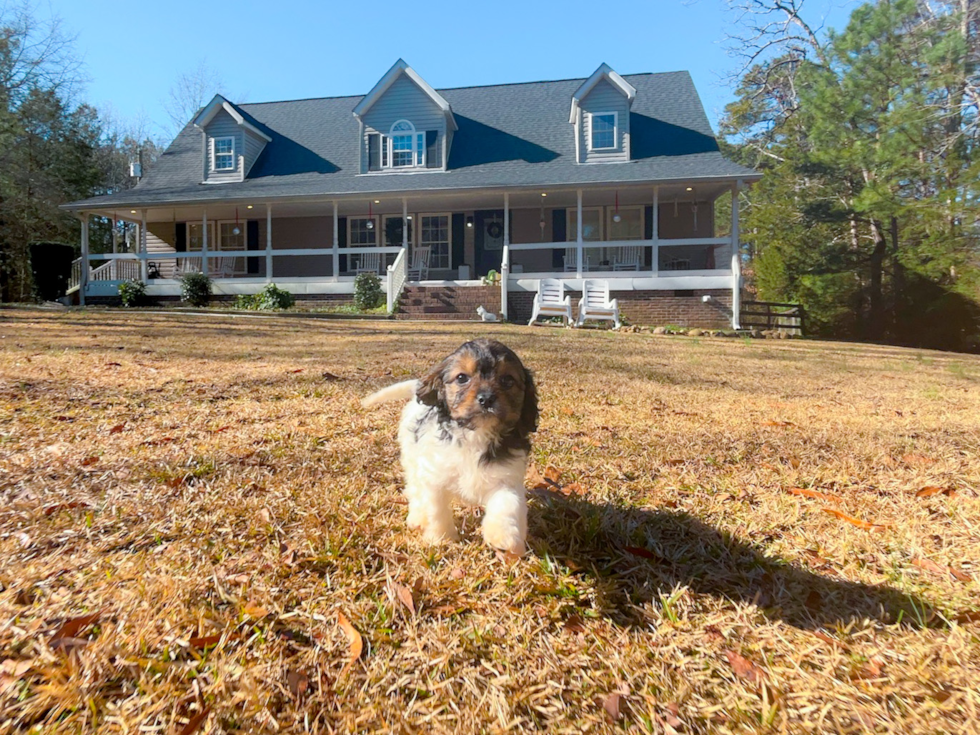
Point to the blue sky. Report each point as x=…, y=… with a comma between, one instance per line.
x=133, y=50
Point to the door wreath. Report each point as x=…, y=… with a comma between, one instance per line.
x=495, y=230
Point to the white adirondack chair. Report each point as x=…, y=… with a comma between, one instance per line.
x=222, y=267
x=550, y=300
x=418, y=270
x=369, y=263
x=628, y=258
x=570, y=260
x=186, y=266
x=596, y=304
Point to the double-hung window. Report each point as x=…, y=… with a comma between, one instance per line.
x=224, y=154
x=407, y=146
x=604, y=131
x=434, y=233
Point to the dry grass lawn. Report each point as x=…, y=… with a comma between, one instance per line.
x=199, y=528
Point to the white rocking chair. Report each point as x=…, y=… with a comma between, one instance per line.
x=419, y=268
x=570, y=260
x=368, y=263
x=596, y=304
x=550, y=301
x=628, y=258
x=186, y=266
x=222, y=267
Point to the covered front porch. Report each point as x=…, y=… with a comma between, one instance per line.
x=657, y=237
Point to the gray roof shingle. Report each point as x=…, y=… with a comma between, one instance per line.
x=510, y=135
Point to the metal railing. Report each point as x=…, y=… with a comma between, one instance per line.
x=397, y=277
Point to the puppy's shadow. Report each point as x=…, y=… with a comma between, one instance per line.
x=637, y=556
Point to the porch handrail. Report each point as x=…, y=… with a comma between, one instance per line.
x=75, y=278
x=171, y=255
x=397, y=276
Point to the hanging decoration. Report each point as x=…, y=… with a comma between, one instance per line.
x=370, y=222
x=675, y=207
x=694, y=211
x=617, y=217
x=236, y=230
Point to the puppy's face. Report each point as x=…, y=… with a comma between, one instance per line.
x=484, y=385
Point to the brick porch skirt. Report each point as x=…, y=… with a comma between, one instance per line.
x=650, y=308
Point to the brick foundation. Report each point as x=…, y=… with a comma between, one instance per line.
x=650, y=308
x=447, y=302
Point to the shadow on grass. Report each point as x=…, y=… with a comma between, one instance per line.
x=637, y=556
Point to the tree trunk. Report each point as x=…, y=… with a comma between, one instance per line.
x=876, y=264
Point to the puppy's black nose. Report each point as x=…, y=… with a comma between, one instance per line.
x=486, y=399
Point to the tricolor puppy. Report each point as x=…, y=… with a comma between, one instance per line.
x=465, y=432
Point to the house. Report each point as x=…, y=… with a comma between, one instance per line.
x=613, y=176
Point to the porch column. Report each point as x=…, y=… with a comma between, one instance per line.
x=336, y=243
x=204, y=242
x=505, y=260
x=144, y=275
x=579, y=252
x=655, y=259
x=405, y=224
x=83, y=271
x=268, y=243
x=736, y=260
x=506, y=218
x=115, y=235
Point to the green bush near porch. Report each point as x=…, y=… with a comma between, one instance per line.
x=367, y=291
x=132, y=293
x=270, y=298
x=195, y=289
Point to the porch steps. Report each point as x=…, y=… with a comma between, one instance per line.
x=457, y=303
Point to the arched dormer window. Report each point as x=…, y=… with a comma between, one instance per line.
x=407, y=146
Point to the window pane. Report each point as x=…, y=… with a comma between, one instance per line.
x=591, y=225
x=435, y=235
x=629, y=227
x=223, y=145
x=361, y=234
x=402, y=150
x=603, y=131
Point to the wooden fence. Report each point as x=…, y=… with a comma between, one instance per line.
x=772, y=315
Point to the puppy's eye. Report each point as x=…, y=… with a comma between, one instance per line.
x=507, y=382
x=462, y=379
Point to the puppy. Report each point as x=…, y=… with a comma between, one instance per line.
x=465, y=432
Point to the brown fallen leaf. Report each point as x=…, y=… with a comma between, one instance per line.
x=221, y=430
x=73, y=627
x=209, y=640
x=404, y=595
x=89, y=461
x=930, y=566
x=52, y=509
x=297, y=370
x=810, y=493
x=673, y=715
x=611, y=705
x=298, y=683
x=113, y=364
x=255, y=611
x=968, y=616
x=745, y=669
x=573, y=488
x=330, y=376
x=356, y=641
x=552, y=474
x=960, y=575
x=778, y=423
x=935, y=490
x=117, y=428
x=574, y=625
x=830, y=639
x=869, y=670
x=855, y=521
x=194, y=724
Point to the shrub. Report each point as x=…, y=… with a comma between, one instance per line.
x=367, y=291
x=247, y=301
x=272, y=297
x=132, y=293
x=195, y=289
x=269, y=298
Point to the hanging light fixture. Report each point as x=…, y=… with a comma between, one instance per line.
x=236, y=230
x=617, y=217
x=370, y=222
x=694, y=211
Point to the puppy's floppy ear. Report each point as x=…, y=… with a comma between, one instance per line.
x=528, y=422
x=432, y=388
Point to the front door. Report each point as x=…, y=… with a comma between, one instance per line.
x=488, y=240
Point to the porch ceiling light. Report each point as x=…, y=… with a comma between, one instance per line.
x=544, y=193
x=249, y=206
x=132, y=211
x=469, y=222
x=377, y=201
x=690, y=188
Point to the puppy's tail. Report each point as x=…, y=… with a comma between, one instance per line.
x=403, y=391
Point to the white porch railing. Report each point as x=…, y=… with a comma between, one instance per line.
x=116, y=270
x=75, y=279
x=397, y=276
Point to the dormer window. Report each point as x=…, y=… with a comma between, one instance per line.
x=605, y=131
x=224, y=154
x=407, y=146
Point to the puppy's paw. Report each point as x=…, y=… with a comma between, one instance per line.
x=435, y=534
x=504, y=534
x=416, y=519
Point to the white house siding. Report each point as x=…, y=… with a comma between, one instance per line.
x=604, y=97
x=253, y=149
x=223, y=125
x=292, y=233
x=403, y=100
